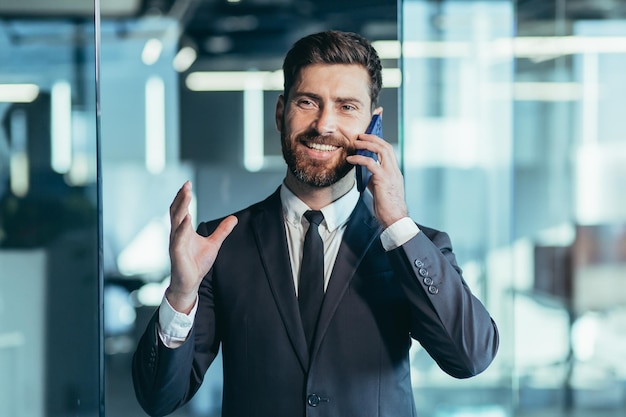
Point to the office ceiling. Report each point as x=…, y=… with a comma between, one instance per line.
x=267, y=28
x=223, y=30
x=228, y=31
x=219, y=28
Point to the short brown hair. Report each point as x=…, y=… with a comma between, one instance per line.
x=333, y=47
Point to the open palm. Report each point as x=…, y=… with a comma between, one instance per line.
x=191, y=255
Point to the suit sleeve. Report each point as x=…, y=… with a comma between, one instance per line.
x=446, y=318
x=164, y=379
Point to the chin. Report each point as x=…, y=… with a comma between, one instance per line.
x=314, y=173
x=321, y=179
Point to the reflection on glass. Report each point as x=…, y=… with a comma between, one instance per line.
x=49, y=310
x=521, y=130
x=457, y=153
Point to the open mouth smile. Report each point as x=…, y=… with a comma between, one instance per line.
x=321, y=147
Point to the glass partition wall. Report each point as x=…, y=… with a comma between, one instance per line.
x=511, y=115
x=457, y=152
x=50, y=355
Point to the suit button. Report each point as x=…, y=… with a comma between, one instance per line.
x=419, y=263
x=313, y=400
x=433, y=290
x=428, y=281
x=423, y=272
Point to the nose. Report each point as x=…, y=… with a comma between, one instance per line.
x=326, y=121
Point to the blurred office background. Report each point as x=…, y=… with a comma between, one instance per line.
x=507, y=117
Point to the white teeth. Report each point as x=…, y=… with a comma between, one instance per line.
x=322, y=147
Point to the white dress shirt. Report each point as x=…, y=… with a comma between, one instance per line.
x=174, y=326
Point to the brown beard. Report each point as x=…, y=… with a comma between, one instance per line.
x=315, y=173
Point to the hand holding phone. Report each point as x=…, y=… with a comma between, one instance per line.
x=363, y=174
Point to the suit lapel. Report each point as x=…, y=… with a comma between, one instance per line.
x=360, y=232
x=275, y=256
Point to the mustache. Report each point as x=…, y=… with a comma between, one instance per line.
x=333, y=140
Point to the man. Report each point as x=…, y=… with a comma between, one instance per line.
x=385, y=279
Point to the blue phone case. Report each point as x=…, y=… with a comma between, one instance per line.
x=362, y=173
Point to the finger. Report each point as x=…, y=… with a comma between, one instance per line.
x=363, y=160
x=373, y=144
x=178, y=199
x=180, y=206
x=370, y=137
x=224, y=229
x=384, y=151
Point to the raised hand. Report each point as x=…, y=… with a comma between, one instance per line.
x=386, y=183
x=191, y=255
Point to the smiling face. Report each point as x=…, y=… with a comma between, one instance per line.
x=327, y=108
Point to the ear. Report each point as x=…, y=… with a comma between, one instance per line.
x=280, y=111
x=378, y=110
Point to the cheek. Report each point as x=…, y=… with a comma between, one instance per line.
x=293, y=124
x=354, y=129
x=352, y=134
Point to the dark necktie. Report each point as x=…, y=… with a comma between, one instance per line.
x=311, y=285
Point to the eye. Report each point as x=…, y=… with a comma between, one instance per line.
x=348, y=107
x=305, y=103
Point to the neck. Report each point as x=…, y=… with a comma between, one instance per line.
x=318, y=197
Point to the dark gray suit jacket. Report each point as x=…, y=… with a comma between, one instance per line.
x=359, y=364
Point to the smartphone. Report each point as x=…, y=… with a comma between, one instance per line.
x=362, y=173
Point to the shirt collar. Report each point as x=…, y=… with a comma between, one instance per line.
x=336, y=213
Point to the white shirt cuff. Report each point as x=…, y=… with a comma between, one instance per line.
x=399, y=233
x=174, y=327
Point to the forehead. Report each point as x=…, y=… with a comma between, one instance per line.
x=333, y=79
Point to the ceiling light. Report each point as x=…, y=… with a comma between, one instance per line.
x=151, y=51
x=155, y=125
x=184, y=58
x=61, y=127
x=232, y=80
x=392, y=77
x=387, y=49
x=18, y=93
x=265, y=80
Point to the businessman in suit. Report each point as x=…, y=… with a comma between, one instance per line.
x=314, y=334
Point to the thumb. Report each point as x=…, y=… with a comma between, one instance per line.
x=223, y=230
